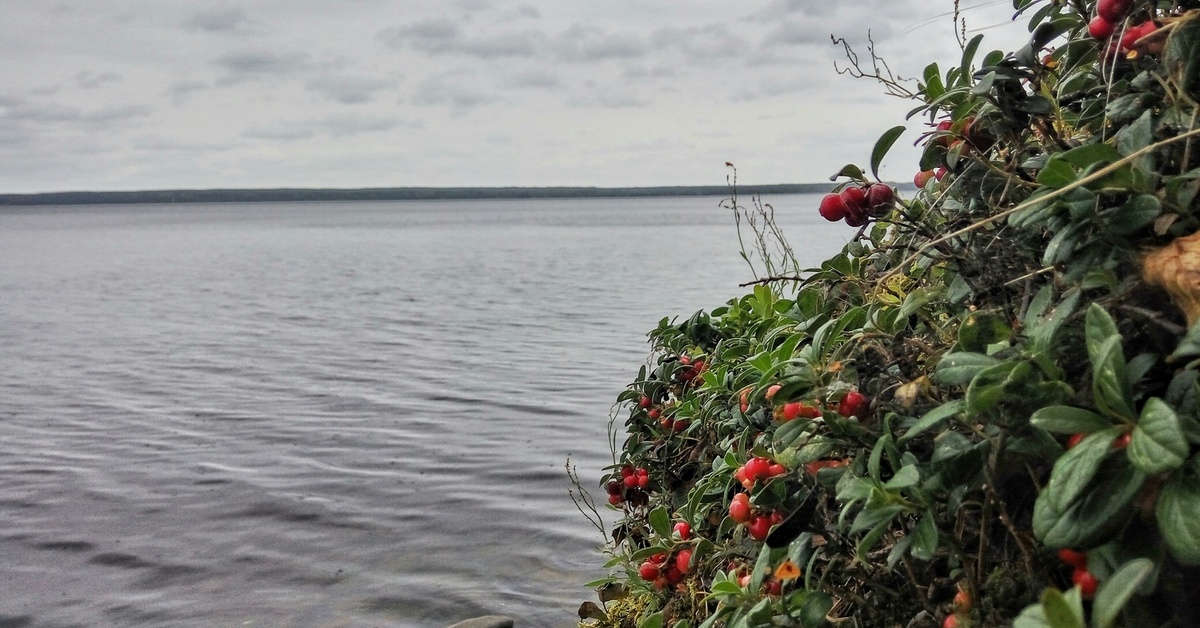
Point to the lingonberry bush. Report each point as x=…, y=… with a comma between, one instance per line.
x=985, y=410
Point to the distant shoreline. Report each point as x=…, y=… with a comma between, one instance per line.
x=392, y=194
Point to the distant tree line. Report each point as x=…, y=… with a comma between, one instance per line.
x=391, y=194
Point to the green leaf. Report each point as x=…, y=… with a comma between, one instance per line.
x=1181, y=57
x=904, y=478
x=1068, y=420
x=1158, y=443
x=1138, y=212
x=935, y=417
x=925, y=538
x=919, y=298
x=1043, y=327
x=1117, y=589
x=882, y=146
x=1059, y=613
x=660, y=521
x=815, y=609
x=1136, y=136
x=1110, y=386
x=654, y=620
x=981, y=329
x=1074, y=470
x=1057, y=173
x=959, y=368
x=1178, y=515
x=851, y=171
x=1099, y=511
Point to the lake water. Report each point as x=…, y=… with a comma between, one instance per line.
x=349, y=414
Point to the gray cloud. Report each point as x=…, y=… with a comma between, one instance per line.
x=536, y=79
x=589, y=44
x=104, y=115
x=90, y=80
x=442, y=36
x=219, y=21
x=528, y=11
x=701, y=43
x=334, y=126
x=346, y=89
x=577, y=44
x=447, y=89
x=180, y=90
x=280, y=132
x=260, y=64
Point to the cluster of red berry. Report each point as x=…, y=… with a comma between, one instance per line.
x=797, y=410
x=853, y=404
x=758, y=523
x=1110, y=13
x=692, y=370
x=665, y=421
x=756, y=469
x=663, y=572
x=630, y=488
x=961, y=606
x=1084, y=579
x=856, y=205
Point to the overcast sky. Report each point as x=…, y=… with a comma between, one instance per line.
x=152, y=94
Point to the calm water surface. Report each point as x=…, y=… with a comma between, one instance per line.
x=351, y=414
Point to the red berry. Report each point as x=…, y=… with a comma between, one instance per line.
x=855, y=199
x=1113, y=10
x=922, y=178
x=614, y=487
x=773, y=390
x=857, y=217
x=626, y=471
x=1075, y=440
x=684, y=530
x=776, y=518
x=951, y=621
x=659, y=558
x=760, y=527
x=1086, y=582
x=962, y=601
x=631, y=481
x=616, y=499
x=1134, y=33
x=643, y=481
x=939, y=173
x=1100, y=28
x=773, y=587
x=679, y=425
x=1122, y=441
x=648, y=571
x=757, y=468
x=745, y=407
x=854, y=404
x=683, y=560
x=644, y=403
x=674, y=576
x=654, y=414
x=776, y=470
x=1073, y=558
x=833, y=208
x=739, y=508
x=880, y=198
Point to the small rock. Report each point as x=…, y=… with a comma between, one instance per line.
x=487, y=621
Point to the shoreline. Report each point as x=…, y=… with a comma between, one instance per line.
x=275, y=195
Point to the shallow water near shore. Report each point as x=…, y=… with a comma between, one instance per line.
x=348, y=414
